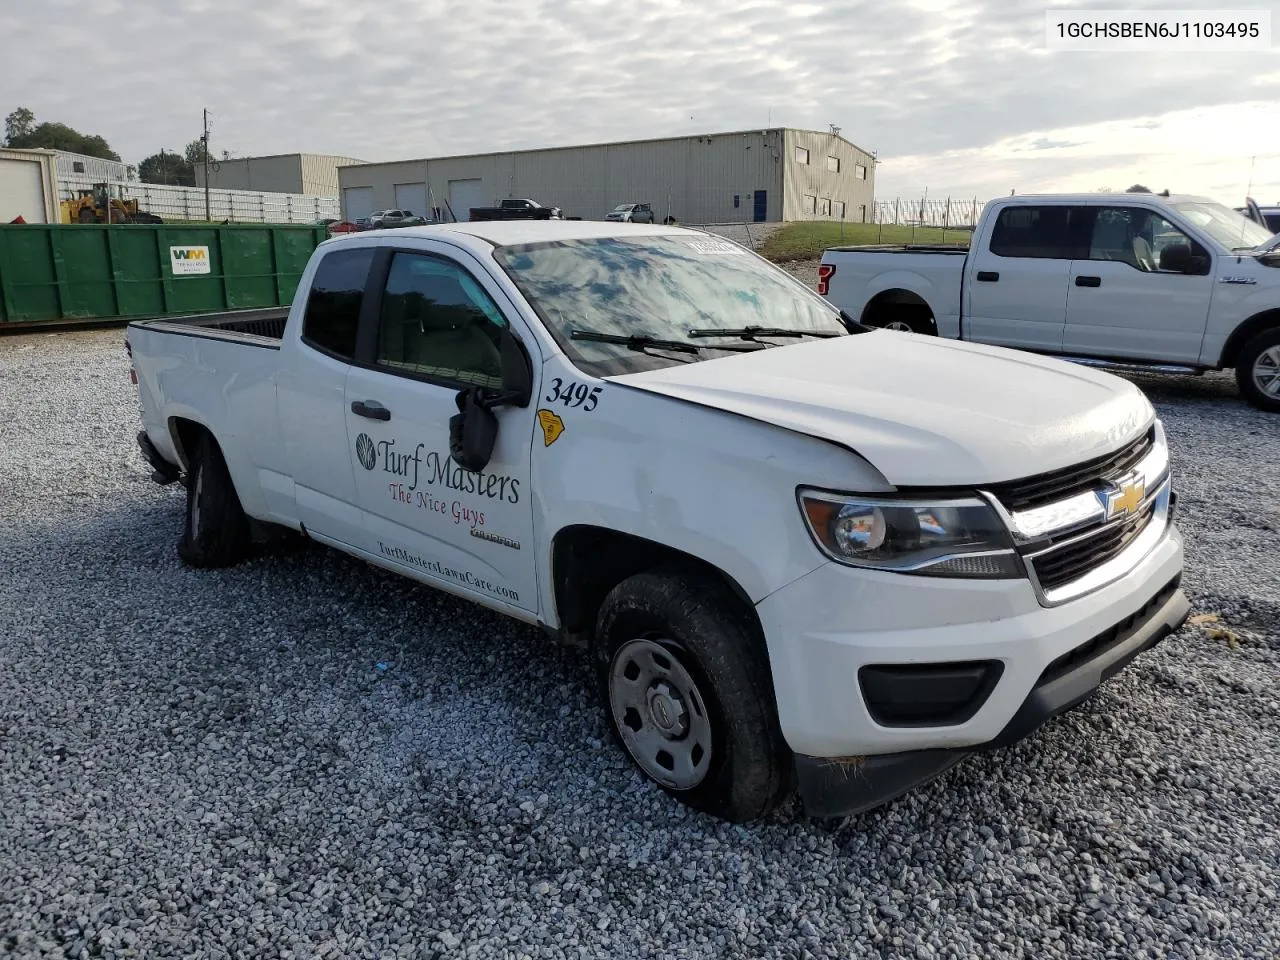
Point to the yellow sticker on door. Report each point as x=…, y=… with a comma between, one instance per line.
x=189, y=261
x=552, y=427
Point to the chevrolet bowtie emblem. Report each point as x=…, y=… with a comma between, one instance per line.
x=1126, y=498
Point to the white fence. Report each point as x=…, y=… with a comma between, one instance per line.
x=236, y=206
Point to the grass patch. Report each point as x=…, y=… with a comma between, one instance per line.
x=806, y=241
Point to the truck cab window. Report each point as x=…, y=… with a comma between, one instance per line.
x=1034, y=232
x=333, y=306
x=437, y=322
x=1137, y=237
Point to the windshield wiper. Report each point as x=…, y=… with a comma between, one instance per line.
x=642, y=341
x=751, y=333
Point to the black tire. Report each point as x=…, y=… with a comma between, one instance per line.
x=216, y=530
x=709, y=633
x=916, y=319
x=1266, y=343
x=87, y=216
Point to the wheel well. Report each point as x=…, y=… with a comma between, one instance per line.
x=186, y=434
x=1246, y=332
x=587, y=562
x=888, y=302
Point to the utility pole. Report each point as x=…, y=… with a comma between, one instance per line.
x=205, y=140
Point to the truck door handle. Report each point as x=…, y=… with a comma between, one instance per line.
x=1088, y=281
x=371, y=409
x=988, y=276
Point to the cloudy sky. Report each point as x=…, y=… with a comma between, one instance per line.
x=957, y=96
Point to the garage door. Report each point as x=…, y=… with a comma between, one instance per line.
x=412, y=197
x=465, y=194
x=357, y=202
x=21, y=194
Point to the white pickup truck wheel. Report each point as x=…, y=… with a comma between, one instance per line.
x=1258, y=371
x=216, y=532
x=687, y=690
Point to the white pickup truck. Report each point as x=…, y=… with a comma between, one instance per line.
x=1138, y=281
x=804, y=554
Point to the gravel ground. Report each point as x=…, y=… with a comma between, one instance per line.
x=306, y=757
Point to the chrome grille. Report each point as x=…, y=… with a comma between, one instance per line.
x=1063, y=563
x=1045, y=488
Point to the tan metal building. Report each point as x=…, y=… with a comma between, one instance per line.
x=28, y=185
x=743, y=176
x=312, y=174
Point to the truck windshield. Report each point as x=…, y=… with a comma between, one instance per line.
x=1233, y=230
x=662, y=287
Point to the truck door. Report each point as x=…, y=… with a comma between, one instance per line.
x=437, y=327
x=1016, y=285
x=311, y=390
x=1141, y=290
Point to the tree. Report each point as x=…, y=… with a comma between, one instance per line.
x=1138, y=188
x=22, y=131
x=167, y=166
x=18, y=125
x=195, y=151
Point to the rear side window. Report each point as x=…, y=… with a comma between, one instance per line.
x=333, y=306
x=1034, y=232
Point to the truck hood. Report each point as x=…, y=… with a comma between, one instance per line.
x=923, y=411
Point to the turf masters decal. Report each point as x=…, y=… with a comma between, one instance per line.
x=435, y=470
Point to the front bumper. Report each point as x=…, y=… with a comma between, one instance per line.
x=825, y=628
x=833, y=787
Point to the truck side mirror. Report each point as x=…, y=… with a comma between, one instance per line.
x=1176, y=257
x=1185, y=258
x=473, y=430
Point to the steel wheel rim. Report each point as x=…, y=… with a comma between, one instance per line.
x=195, y=502
x=900, y=325
x=660, y=713
x=1266, y=371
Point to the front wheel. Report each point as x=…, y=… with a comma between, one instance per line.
x=686, y=685
x=1258, y=370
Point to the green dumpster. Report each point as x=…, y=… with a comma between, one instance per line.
x=79, y=272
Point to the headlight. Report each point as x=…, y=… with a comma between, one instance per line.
x=943, y=538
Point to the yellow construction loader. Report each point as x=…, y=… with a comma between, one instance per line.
x=92, y=206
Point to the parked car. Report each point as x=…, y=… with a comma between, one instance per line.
x=1160, y=283
x=342, y=226
x=834, y=557
x=392, y=219
x=516, y=208
x=631, y=213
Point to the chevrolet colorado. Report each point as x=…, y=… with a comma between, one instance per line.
x=803, y=553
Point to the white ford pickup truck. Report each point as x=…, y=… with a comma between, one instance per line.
x=805, y=554
x=1135, y=280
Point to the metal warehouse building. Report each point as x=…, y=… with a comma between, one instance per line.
x=748, y=175
x=313, y=174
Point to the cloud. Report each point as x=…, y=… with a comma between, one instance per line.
x=948, y=93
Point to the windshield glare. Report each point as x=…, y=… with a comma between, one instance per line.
x=662, y=287
x=1231, y=229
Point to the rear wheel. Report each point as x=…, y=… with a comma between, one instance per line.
x=1258, y=370
x=216, y=533
x=686, y=687
x=904, y=317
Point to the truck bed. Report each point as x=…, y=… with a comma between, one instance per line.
x=264, y=327
x=950, y=248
